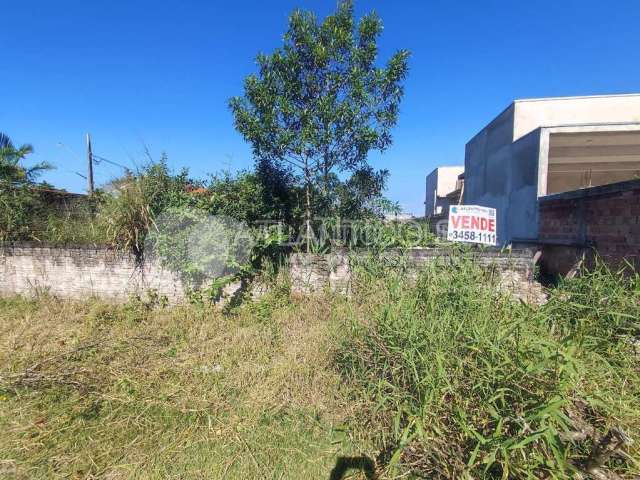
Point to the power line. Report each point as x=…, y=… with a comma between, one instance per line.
x=100, y=158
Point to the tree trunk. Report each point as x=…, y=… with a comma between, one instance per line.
x=325, y=172
x=307, y=212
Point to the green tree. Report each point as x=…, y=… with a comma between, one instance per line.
x=11, y=169
x=320, y=103
x=20, y=205
x=360, y=194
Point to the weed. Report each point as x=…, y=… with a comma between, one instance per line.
x=461, y=382
x=437, y=374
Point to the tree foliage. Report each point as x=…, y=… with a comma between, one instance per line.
x=320, y=103
x=250, y=196
x=11, y=168
x=19, y=202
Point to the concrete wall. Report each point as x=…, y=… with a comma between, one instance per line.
x=440, y=182
x=431, y=189
x=507, y=162
x=488, y=144
x=521, y=220
x=79, y=273
x=486, y=161
x=315, y=272
x=605, y=218
x=548, y=112
x=27, y=269
x=504, y=175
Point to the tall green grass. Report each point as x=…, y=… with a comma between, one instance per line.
x=457, y=380
x=441, y=375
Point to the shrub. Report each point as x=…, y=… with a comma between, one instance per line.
x=129, y=214
x=18, y=205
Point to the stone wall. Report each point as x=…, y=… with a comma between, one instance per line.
x=310, y=272
x=605, y=219
x=81, y=272
x=314, y=272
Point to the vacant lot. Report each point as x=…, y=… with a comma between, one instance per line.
x=95, y=391
x=436, y=377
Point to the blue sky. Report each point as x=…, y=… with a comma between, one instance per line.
x=160, y=73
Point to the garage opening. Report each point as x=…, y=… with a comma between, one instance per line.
x=587, y=159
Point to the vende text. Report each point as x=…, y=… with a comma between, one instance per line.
x=467, y=222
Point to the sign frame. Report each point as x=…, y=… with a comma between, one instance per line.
x=472, y=224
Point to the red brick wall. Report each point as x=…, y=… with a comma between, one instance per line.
x=606, y=217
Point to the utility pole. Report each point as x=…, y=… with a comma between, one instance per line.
x=90, y=166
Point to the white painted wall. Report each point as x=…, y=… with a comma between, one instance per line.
x=551, y=112
x=447, y=179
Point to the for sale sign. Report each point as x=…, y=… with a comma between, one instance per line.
x=473, y=224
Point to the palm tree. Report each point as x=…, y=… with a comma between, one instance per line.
x=10, y=157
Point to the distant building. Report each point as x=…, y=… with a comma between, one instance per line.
x=399, y=217
x=59, y=199
x=441, y=187
x=455, y=197
x=541, y=147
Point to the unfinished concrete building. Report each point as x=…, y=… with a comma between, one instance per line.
x=440, y=184
x=540, y=147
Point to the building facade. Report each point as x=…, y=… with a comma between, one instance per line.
x=440, y=184
x=541, y=147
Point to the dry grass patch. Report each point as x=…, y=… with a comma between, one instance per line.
x=90, y=390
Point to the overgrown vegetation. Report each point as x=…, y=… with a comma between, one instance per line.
x=458, y=381
x=164, y=211
x=130, y=213
x=434, y=375
x=437, y=376
x=140, y=392
x=20, y=205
